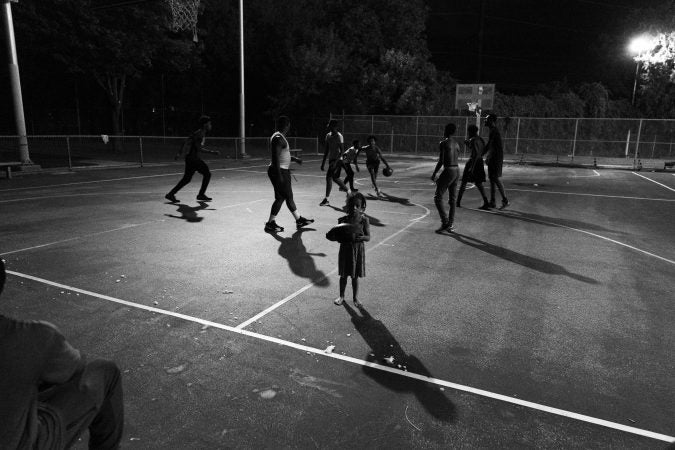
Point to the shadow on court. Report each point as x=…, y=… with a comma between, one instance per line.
x=374, y=221
x=390, y=198
x=189, y=213
x=518, y=258
x=553, y=221
x=300, y=261
x=387, y=351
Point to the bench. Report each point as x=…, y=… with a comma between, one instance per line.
x=7, y=167
x=668, y=164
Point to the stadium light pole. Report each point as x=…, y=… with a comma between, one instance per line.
x=15, y=81
x=242, y=97
x=638, y=46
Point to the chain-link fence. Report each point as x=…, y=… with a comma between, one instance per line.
x=630, y=142
x=53, y=151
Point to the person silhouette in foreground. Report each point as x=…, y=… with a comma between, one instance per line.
x=49, y=394
x=193, y=163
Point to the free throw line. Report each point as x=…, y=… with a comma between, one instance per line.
x=352, y=360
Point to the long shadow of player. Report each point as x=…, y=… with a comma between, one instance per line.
x=530, y=262
x=553, y=221
x=390, y=198
x=189, y=213
x=388, y=352
x=300, y=261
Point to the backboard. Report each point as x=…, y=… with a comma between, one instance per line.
x=481, y=94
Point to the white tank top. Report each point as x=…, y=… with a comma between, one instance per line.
x=285, y=153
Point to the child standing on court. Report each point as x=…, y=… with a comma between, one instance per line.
x=352, y=255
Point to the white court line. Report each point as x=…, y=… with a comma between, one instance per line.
x=656, y=182
x=352, y=360
x=515, y=216
x=310, y=285
x=124, y=179
x=81, y=237
x=596, y=172
x=593, y=195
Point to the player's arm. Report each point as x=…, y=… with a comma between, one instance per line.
x=203, y=149
x=295, y=159
x=183, y=148
x=276, y=149
x=379, y=152
x=439, y=164
x=357, y=150
x=63, y=361
x=325, y=154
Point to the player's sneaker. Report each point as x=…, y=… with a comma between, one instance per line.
x=505, y=203
x=204, y=198
x=450, y=227
x=444, y=226
x=172, y=198
x=272, y=227
x=303, y=222
x=492, y=204
x=485, y=207
x=324, y=202
x=343, y=189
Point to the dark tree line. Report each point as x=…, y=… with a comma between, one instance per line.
x=121, y=70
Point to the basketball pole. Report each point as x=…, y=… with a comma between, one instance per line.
x=15, y=83
x=242, y=109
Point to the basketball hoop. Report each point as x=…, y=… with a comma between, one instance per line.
x=184, y=13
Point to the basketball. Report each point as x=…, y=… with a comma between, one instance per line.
x=342, y=233
x=387, y=171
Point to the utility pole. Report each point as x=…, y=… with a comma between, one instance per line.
x=15, y=82
x=242, y=97
x=479, y=69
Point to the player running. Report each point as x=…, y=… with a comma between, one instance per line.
x=349, y=157
x=193, y=163
x=333, y=151
x=373, y=157
x=279, y=174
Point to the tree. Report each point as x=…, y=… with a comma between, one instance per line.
x=111, y=46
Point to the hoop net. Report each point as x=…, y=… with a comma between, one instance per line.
x=184, y=14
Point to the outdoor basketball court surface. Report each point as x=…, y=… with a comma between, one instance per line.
x=548, y=324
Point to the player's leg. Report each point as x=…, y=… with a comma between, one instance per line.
x=103, y=381
x=190, y=170
x=481, y=189
x=452, y=196
x=441, y=187
x=355, y=291
x=462, y=188
x=271, y=225
x=336, y=176
x=329, y=183
x=286, y=191
x=500, y=187
x=203, y=169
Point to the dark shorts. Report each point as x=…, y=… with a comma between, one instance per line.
x=373, y=166
x=282, y=186
x=494, y=170
x=194, y=164
x=334, y=169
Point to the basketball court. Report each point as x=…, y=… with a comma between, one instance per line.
x=548, y=324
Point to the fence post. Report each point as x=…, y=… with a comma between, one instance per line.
x=70, y=161
x=417, y=131
x=653, y=145
x=627, y=142
x=391, y=141
x=517, y=135
x=140, y=148
x=574, y=144
x=372, y=124
x=637, y=144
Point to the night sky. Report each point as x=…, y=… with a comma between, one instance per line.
x=526, y=42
